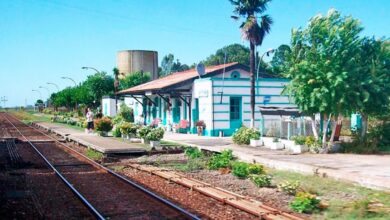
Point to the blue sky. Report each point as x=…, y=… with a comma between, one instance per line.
x=40, y=40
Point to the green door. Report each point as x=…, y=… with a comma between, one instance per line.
x=235, y=113
x=176, y=111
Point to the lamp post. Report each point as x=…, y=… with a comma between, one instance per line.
x=50, y=83
x=268, y=52
x=65, y=77
x=40, y=94
x=97, y=71
x=48, y=93
x=75, y=85
x=88, y=67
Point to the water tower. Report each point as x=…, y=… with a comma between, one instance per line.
x=129, y=61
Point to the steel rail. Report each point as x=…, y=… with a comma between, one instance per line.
x=128, y=181
x=92, y=209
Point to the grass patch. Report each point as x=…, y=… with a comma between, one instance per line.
x=172, y=144
x=346, y=201
x=93, y=154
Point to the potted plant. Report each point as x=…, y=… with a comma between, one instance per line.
x=200, y=126
x=103, y=126
x=247, y=136
x=143, y=132
x=154, y=136
x=275, y=144
x=299, y=145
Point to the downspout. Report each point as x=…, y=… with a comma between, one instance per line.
x=212, y=106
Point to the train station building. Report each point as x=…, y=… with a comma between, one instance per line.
x=220, y=98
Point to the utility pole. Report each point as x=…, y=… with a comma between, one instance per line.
x=4, y=100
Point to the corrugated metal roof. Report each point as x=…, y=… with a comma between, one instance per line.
x=173, y=79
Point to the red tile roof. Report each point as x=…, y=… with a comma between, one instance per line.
x=173, y=79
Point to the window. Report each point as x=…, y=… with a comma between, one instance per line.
x=234, y=108
x=235, y=75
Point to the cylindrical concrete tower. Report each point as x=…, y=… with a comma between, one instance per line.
x=130, y=61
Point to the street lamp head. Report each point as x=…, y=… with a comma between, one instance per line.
x=84, y=68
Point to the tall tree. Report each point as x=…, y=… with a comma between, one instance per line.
x=334, y=71
x=278, y=62
x=254, y=32
x=169, y=65
x=134, y=79
x=234, y=53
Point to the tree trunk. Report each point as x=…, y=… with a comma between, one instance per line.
x=324, y=130
x=313, y=127
x=364, y=129
x=252, y=77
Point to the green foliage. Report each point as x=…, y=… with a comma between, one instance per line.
x=156, y=134
x=193, y=152
x=256, y=169
x=221, y=160
x=333, y=70
x=240, y=169
x=117, y=120
x=169, y=65
x=289, y=187
x=88, y=93
x=235, y=53
x=117, y=131
x=134, y=79
x=103, y=124
x=305, y=203
x=261, y=180
x=144, y=131
x=299, y=140
x=128, y=128
x=244, y=134
x=126, y=113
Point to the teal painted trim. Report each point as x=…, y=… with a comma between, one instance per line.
x=217, y=120
x=269, y=87
x=256, y=111
x=216, y=112
x=220, y=103
x=270, y=103
x=237, y=95
x=248, y=79
x=215, y=132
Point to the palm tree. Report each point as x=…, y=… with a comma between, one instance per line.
x=116, y=85
x=254, y=32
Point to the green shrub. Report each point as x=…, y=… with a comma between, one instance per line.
x=117, y=132
x=299, y=140
x=156, y=134
x=126, y=113
x=305, y=203
x=244, y=134
x=289, y=187
x=117, y=120
x=103, y=124
x=144, y=131
x=261, y=180
x=193, y=152
x=221, y=160
x=128, y=128
x=243, y=170
x=240, y=170
x=256, y=169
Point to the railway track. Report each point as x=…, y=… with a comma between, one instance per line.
x=103, y=192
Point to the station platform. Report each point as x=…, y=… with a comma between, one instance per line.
x=105, y=145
